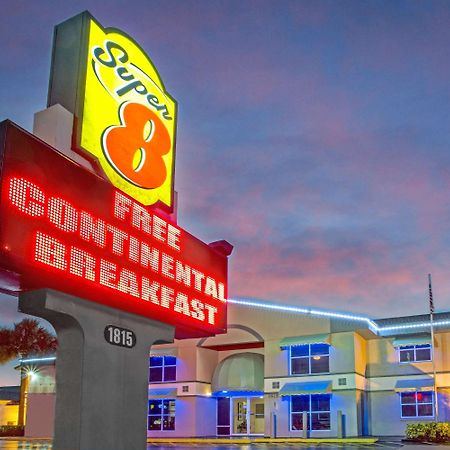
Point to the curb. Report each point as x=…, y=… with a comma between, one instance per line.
x=261, y=440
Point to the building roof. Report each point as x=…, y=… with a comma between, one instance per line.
x=10, y=393
x=412, y=319
x=347, y=321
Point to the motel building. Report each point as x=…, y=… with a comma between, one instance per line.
x=277, y=367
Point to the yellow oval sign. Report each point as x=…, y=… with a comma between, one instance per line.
x=128, y=119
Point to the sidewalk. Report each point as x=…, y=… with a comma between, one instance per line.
x=261, y=440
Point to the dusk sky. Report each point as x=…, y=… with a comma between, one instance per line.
x=312, y=135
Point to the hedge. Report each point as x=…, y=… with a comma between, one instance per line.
x=428, y=431
x=11, y=430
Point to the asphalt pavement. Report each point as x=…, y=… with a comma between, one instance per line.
x=46, y=445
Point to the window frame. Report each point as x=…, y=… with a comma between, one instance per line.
x=163, y=367
x=406, y=348
x=416, y=404
x=161, y=415
x=309, y=412
x=309, y=357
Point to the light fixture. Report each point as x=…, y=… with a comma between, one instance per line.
x=31, y=374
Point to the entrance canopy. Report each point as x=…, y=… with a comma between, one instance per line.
x=307, y=387
x=162, y=393
x=302, y=340
x=419, y=339
x=243, y=372
x=421, y=384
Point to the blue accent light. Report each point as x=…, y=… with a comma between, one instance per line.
x=414, y=325
x=303, y=310
x=323, y=313
x=238, y=394
x=50, y=358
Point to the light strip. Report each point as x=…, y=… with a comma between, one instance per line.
x=269, y=306
x=50, y=358
x=414, y=325
x=316, y=312
x=310, y=311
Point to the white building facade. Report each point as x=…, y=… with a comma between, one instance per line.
x=278, y=369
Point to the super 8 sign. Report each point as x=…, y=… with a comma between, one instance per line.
x=66, y=228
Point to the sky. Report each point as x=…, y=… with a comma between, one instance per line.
x=312, y=135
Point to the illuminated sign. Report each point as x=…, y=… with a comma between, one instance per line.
x=63, y=227
x=125, y=118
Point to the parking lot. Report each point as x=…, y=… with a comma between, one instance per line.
x=8, y=444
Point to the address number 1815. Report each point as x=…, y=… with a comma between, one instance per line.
x=120, y=336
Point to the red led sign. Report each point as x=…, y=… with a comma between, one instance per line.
x=65, y=228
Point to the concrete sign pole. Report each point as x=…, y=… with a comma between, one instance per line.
x=101, y=387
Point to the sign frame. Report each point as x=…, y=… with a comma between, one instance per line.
x=61, y=181
x=67, y=85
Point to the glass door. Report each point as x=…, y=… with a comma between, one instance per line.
x=247, y=415
x=240, y=419
x=256, y=416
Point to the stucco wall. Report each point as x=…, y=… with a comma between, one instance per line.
x=40, y=415
x=345, y=401
x=8, y=413
x=195, y=417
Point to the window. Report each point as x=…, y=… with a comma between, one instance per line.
x=318, y=408
x=310, y=358
x=414, y=353
x=162, y=368
x=416, y=404
x=161, y=415
x=223, y=416
x=275, y=385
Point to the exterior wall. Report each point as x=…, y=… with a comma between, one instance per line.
x=207, y=361
x=43, y=381
x=360, y=354
x=9, y=412
x=364, y=370
x=194, y=417
x=444, y=405
x=344, y=401
x=40, y=415
x=384, y=370
x=383, y=361
x=206, y=420
x=342, y=353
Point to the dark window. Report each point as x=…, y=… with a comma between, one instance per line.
x=223, y=416
x=162, y=369
x=417, y=404
x=320, y=364
x=300, y=366
x=414, y=353
x=161, y=415
x=300, y=350
x=318, y=408
x=310, y=358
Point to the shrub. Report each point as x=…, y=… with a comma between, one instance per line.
x=11, y=430
x=428, y=431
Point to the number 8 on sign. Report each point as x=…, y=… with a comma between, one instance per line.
x=135, y=147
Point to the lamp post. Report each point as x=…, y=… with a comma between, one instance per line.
x=430, y=294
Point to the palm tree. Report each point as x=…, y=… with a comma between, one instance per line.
x=25, y=338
